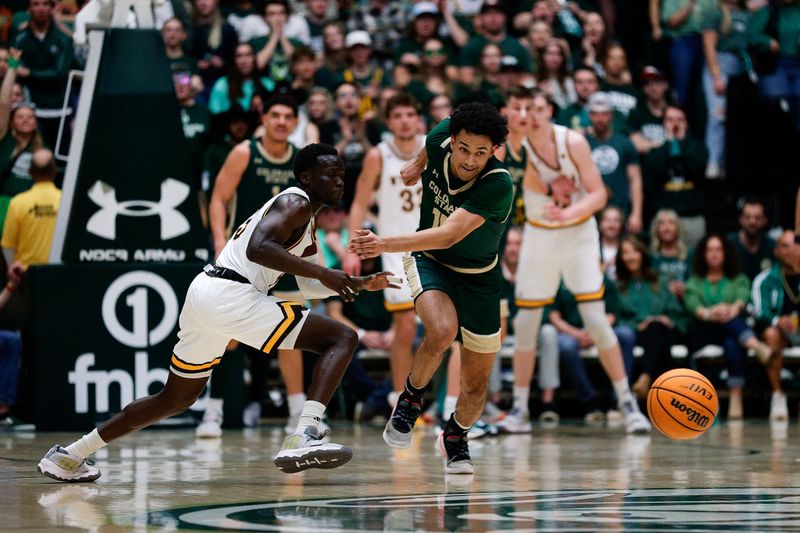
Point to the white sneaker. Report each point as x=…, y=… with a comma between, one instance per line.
x=211, y=426
x=635, y=422
x=302, y=451
x=293, y=421
x=516, y=422
x=252, y=415
x=778, y=410
x=61, y=465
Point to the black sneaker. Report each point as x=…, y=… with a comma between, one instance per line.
x=455, y=448
x=398, y=429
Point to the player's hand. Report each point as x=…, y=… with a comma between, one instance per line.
x=555, y=213
x=678, y=288
x=411, y=172
x=378, y=282
x=366, y=244
x=351, y=264
x=339, y=282
x=584, y=339
x=563, y=188
x=786, y=324
x=664, y=319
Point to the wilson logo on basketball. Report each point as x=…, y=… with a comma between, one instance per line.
x=691, y=415
x=705, y=393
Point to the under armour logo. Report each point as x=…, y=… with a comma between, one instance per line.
x=173, y=223
x=435, y=173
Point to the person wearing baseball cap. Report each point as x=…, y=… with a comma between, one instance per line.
x=492, y=21
x=425, y=19
x=364, y=70
x=646, y=122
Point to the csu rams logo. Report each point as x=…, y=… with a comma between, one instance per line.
x=173, y=223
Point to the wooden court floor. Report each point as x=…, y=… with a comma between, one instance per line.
x=737, y=477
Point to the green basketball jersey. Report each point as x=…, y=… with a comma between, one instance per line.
x=489, y=195
x=516, y=163
x=264, y=177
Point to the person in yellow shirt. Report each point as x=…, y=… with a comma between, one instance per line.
x=31, y=218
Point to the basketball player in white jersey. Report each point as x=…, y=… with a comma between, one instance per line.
x=229, y=300
x=560, y=240
x=398, y=214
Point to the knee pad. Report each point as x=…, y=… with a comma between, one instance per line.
x=596, y=323
x=526, y=328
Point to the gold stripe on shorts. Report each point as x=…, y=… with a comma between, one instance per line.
x=292, y=314
x=191, y=367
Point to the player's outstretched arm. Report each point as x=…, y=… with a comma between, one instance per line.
x=365, y=189
x=457, y=226
x=289, y=215
x=225, y=185
x=412, y=171
x=591, y=180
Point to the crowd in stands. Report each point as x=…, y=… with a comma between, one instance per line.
x=645, y=82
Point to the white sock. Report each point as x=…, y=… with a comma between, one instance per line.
x=465, y=428
x=622, y=389
x=449, y=406
x=213, y=409
x=521, y=395
x=296, y=403
x=86, y=445
x=311, y=417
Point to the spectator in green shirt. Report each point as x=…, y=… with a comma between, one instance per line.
x=753, y=246
x=671, y=256
x=618, y=83
x=174, y=34
x=240, y=84
x=717, y=294
x=576, y=115
x=646, y=122
x=273, y=51
x=648, y=307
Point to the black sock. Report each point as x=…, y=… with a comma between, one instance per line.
x=452, y=428
x=413, y=391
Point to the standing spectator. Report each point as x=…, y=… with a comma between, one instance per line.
x=425, y=25
x=782, y=44
x=617, y=160
x=196, y=122
x=492, y=23
x=47, y=56
x=716, y=296
x=646, y=122
x=649, y=307
x=319, y=106
x=439, y=109
x=671, y=256
x=552, y=75
x=674, y=175
x=596, y=43
x=537, y=37
x=10, y=353
x=31, y=219
x=682, y=21
x=617, y=82
x=315, y=19
x=754, y=248
x=174, y=35
x=214, y=42
x=610, y=226
x=240, y=84
x=304, y=70
x=576, y=115
x=351, y=136
x=436, y=73
x=334, y=59
x=776, y=302
x=363, y=70
x=274, y=50
x=385, y=21
x=725, y=41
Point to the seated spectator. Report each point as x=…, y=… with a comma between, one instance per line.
x=646, y=122
x=617, y=160
x=674, y=175
x=552, y=75
x=717, y=294
x=19, y=139
x=31, y=218
x=576, y=115
x=334, y=58
x=595, y=45
x=304, y=73
x=573, y=337
x=439, y=109
x=436, y=73
x=776, y=302
x=725, y=42
x=425, y=25
x=274, y=49
x=485, y=84
x=319, y=106
x=385, y=21
x=617, y=83
x=492, y=23
x=754, y=248
x=648, y=307
x=610, y=227
x=671, y=256
x=174, y=35
x=363, y=70
x=213, y=44
x=536, y=38
x=779, y=50
x=240, y=84
x=47, y=57
x=10, y=353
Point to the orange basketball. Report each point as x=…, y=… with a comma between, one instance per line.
x=682, y=404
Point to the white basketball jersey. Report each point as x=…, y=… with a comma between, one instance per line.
x=234, y=255
x=534, y=201
x=398, y=205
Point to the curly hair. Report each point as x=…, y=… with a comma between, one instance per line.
x=730, y=263
x=308, y=157
x=479, y=119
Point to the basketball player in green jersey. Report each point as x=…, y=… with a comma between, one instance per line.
x=454, y=272
x=256, y=170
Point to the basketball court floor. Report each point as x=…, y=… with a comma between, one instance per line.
x=737, y=477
